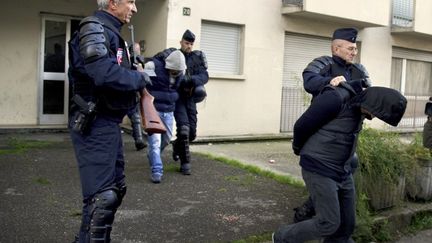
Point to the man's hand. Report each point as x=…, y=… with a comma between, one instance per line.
x=139, y=67
x=366, y=83
x=337, y=80
x=147, y=80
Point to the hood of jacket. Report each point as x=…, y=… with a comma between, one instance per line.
x=384, y=103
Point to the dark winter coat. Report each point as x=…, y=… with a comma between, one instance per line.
x=325, y=135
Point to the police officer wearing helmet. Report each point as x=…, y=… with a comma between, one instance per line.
x=104, y=90
x=334, y=70
x=191, y=91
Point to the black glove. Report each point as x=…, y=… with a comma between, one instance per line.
x=187, y=79
x=140, y=59
x=366, y=83
x=296, y=150
x=147, y=80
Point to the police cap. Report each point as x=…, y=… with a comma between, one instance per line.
x=188, y=36
x=348, y=34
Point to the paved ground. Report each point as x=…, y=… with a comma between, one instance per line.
x=40, y=194
x=275, y=156
x=40, y=199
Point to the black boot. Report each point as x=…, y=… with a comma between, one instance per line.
x=304, y=212
x=181, y=146
x=175, y=153
x=181, y=152
x=137, y=131
x=185, y=167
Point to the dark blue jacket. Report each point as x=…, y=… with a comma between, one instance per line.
x=108, y=78
x=165, y=93
x=321, y=70
x=196, y=68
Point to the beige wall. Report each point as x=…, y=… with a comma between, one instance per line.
x=423, y=16
x=376, y=54
x=20, y=31
x=150, y=24
x=249, y=105
x=371, y=11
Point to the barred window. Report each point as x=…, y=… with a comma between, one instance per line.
x=411, y=73
x=403, y=13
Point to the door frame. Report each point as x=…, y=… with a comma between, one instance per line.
x=53, y=119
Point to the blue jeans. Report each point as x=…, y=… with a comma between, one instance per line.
x=335, y=212
x=157, y=143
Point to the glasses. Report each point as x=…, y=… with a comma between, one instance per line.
x=350, y=49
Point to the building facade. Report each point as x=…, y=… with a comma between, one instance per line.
x=256, y=52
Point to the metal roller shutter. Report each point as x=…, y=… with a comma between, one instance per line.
x=299, y=51
x=221, y=44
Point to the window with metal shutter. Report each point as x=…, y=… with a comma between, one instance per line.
x=299, y=51
x=412, y=54
x=222, y=45
x=403, y=11
x=412, y=75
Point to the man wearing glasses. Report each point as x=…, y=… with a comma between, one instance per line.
x=340, y=67
x=324, y=70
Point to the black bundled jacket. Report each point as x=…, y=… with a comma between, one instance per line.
x=325, y=135
x=386, y=104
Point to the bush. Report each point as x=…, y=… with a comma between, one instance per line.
x=416, y=149
x=382, y=155
x=383, y=160
x=418, y=188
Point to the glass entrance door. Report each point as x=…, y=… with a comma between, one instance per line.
x=54, y=84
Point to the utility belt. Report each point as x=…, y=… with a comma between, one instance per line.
x=82, y=119
x=86, y=111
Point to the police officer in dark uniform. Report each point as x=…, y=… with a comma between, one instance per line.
x=340, y=67
x=325, y=137
x=191, y=91
x=104, y=90
x=334, y=70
